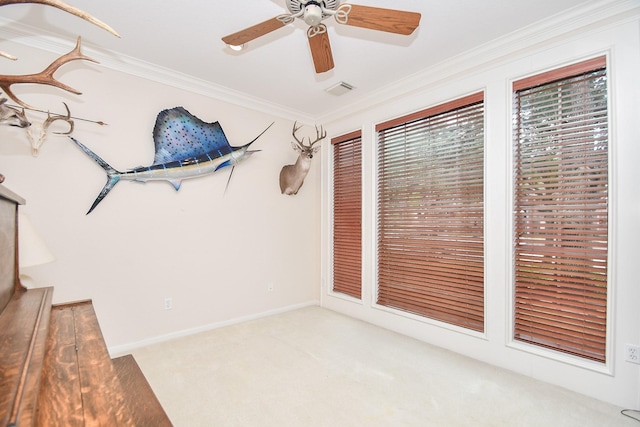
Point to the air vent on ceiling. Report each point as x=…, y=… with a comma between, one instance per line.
x=339, y=88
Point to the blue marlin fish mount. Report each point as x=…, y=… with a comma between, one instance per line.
x=186, y=147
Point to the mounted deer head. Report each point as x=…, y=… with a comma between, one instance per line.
x=62, y=6
x=292, y=176
x=36, y=143
x=11, y=116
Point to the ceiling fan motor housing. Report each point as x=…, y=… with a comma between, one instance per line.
x=313, y=9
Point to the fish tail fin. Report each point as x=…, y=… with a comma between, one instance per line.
x=113, y=175
x=112, y=180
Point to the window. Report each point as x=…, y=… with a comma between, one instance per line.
x=560, y=212
x=347, y=214
x=431, y=213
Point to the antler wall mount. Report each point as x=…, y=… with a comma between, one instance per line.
x=58, y=4
x=36, y=142
x=313, y=12
x=292, y=176
x=11, y=115
x=45, y=77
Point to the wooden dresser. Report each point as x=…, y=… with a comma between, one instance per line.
x=55, y=369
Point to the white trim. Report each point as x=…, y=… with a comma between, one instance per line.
x=498, y=51
x=485, y=229
x=374, y=186
x=330, y=214
x=329, y=237
x=433, y=322
x=509, y=288
x=344, y=297
x=373, y=214
x=120, y=350
x=511, y=342
x=48, y=42
x=612, y=216
x=616, y=33
x=565, y=358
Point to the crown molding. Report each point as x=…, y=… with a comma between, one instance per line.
x=588, y=17
x=35, y=38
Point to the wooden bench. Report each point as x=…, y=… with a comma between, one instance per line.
x=55, y=369
x=23, y=333
x=145, y=408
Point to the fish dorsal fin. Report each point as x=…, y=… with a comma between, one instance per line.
x=180, y=135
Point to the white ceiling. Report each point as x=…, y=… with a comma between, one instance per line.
x=276, y=69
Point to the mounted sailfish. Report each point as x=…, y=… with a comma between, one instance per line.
x=186, y=147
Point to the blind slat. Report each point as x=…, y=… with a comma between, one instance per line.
x=431, y=213
x=561, y=204
x=347, y=213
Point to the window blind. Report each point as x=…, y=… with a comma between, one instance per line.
x=347, y=214
x=561, y=209
x=430, y=242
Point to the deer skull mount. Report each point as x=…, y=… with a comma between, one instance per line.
x=11, y=116
x=37, y=142
x=292, y=176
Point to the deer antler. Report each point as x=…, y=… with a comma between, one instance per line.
x=292, y=176
x=62, y=6
x=320, y=134
x=50, y=119
x=44, y=77
x=67, y=8
x=296, y=129
x=8, y=56
x=36, y=144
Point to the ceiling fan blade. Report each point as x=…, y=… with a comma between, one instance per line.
x=320, y=49
x=389, y=20
x=251, y=33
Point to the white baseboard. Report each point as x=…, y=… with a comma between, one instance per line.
x=121, y=350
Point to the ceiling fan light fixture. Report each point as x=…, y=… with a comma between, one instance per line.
x=296, y=7
x=312, y=14
x=237, y=48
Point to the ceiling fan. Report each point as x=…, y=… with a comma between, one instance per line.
x=313, y=12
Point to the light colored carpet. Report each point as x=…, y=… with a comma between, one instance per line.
x=313, y=367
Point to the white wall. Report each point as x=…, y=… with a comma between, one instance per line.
x=212, y=253
x=492, y=69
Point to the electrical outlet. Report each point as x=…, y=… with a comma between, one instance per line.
x=270, y=286
x=168, y=303
x=632, y=353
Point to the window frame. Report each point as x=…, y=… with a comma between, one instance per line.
x=344, y=138
x=519, y=82
x=435, y=110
